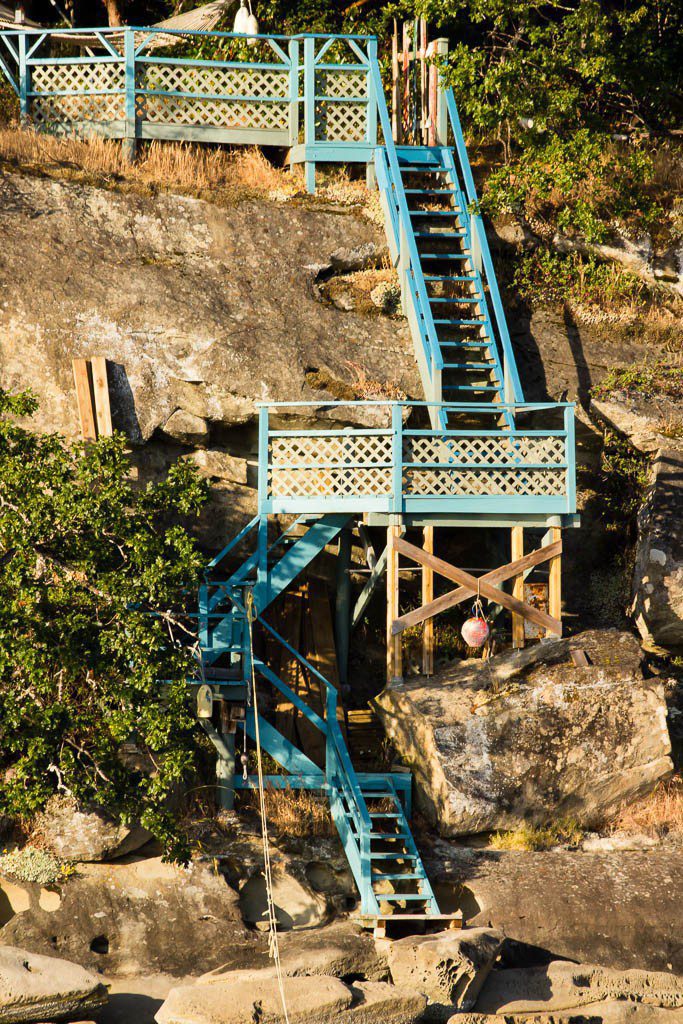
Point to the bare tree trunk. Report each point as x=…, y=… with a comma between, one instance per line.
x=114, y=14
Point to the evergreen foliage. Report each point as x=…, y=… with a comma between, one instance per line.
x=91, y=570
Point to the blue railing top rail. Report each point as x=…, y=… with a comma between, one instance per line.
x=489, y=407
x=477, y=224
x=109, y=30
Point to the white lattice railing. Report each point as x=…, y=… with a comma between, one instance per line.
x=129, y=83
x=396, y=467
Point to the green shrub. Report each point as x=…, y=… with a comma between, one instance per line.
x=583, y=185
x=32, y=865
x=646, y=381
x=9, y=103
x=94, y=574
x=544, y=277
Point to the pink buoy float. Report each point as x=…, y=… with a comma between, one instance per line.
x=475, y=631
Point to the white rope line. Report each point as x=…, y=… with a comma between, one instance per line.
x=273, y=944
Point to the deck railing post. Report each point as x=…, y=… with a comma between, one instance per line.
x=129, y=142
x=397, y=457
x=371, y=114
x=441, y=126
x=309, y=112
x=570, y=457
x=24, y=79
x=293, y=93
x=262, y=459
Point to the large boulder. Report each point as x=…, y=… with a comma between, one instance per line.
x=341, y=949
x=528, y=736
x=658, y=575
x=86, y=834
x=449, y=968
x=144, y=917
x=45, y=988
x=563, y=986
x=619, y=909
x=243, y=997
x=614, y=1011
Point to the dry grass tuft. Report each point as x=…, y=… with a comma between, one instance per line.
x=220, y=175
x=658, y=814
x=565, y=832
x=179, y=167
x=293, y=812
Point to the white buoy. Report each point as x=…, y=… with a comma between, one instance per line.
x=252, y=29
x=241, y=26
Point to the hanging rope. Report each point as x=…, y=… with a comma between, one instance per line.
x=273, y=944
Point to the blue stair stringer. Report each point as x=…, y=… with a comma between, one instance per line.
x=370, y=811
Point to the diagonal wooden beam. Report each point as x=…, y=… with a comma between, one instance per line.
x=368, y=590
x=454, y=597
x=470, y=585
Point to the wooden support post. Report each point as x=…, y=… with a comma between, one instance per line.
x=24, y=78
x=518, y=586
x=225, y=762
x=395, y=86
x=309, y=112
x=555, y=581
x=342, y=605
x=427, y=596
x=371, y=116
x=293, y=94
x=394, y=645
x=100, y=386
x=84, y=397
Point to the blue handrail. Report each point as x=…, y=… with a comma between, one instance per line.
x=340, y=774
x=388, y=156
x=514, y=389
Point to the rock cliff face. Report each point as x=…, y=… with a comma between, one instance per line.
x=658, y=581
x=202, y=310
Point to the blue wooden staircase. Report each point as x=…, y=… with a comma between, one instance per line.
x=451, y=299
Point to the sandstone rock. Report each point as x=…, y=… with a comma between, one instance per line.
x=242, y=997
x=341, y=950
x=449, y=968
x=551, y=738
x=618, y=841
x=45, y=988
x=376, y=1002
x=361, y=257
x=562, y=986
x=613, y=1012
x=187, y=428
x=217, y=464
x=78, y=834
x=648, y=425
x=296, y=904
x=658, y=575
x=137, y=918
x=245, y=996
x=617, y=909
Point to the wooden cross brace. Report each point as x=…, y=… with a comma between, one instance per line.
x=484, y=585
